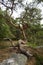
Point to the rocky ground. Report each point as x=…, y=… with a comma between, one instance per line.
x=7, y=52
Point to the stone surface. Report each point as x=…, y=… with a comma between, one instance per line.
x=15, y=59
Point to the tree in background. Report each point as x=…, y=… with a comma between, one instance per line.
x=29, y=21
x=4, y=28
x=31, y=17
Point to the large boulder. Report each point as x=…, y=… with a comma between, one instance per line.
x=15, y=59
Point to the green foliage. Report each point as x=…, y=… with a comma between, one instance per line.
x=31, y=16
x=4, y=28
x=39, y=59
x=33, y=45
x=39, y=1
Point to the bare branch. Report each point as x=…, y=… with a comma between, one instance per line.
x=6, y=5
x=12, y=8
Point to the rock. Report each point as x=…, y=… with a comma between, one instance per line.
x=15, y=59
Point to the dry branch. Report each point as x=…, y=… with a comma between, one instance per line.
x=20, y=46
x=6, y=5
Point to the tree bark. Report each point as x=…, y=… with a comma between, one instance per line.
x=22, y=50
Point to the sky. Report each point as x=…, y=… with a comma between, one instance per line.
x=16, y=14
x=41, y=7
x=19, y=10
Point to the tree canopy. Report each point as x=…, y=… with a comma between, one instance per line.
x=26, y=26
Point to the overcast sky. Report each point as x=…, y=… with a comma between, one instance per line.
x=16, y=14
x=19, y=10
